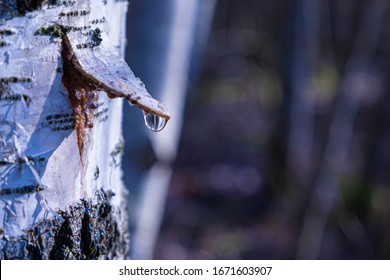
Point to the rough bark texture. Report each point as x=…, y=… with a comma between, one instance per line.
x=89, y=231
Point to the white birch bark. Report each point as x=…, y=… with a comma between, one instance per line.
x=53, y=152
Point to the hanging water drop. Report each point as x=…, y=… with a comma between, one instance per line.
x=153, y=122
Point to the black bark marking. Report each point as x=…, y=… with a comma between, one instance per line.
x=28, y=189
x=16, y=8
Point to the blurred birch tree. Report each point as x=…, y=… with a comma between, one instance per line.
x=62, y=82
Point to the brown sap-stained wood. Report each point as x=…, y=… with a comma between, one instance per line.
x=81, y=93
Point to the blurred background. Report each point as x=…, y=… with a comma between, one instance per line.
x=279, y=142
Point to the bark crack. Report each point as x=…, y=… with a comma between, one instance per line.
x=82, y=94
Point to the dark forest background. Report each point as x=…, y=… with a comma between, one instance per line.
x=284, y=151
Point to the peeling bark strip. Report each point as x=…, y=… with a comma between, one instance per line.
x=89, y=232
x=83, y=83
x=108, y=73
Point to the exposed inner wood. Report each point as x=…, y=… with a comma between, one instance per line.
x=82, y=95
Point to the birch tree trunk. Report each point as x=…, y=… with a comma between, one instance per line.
x=62, y=82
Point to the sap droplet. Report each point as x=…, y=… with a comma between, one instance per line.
x=153, y=122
